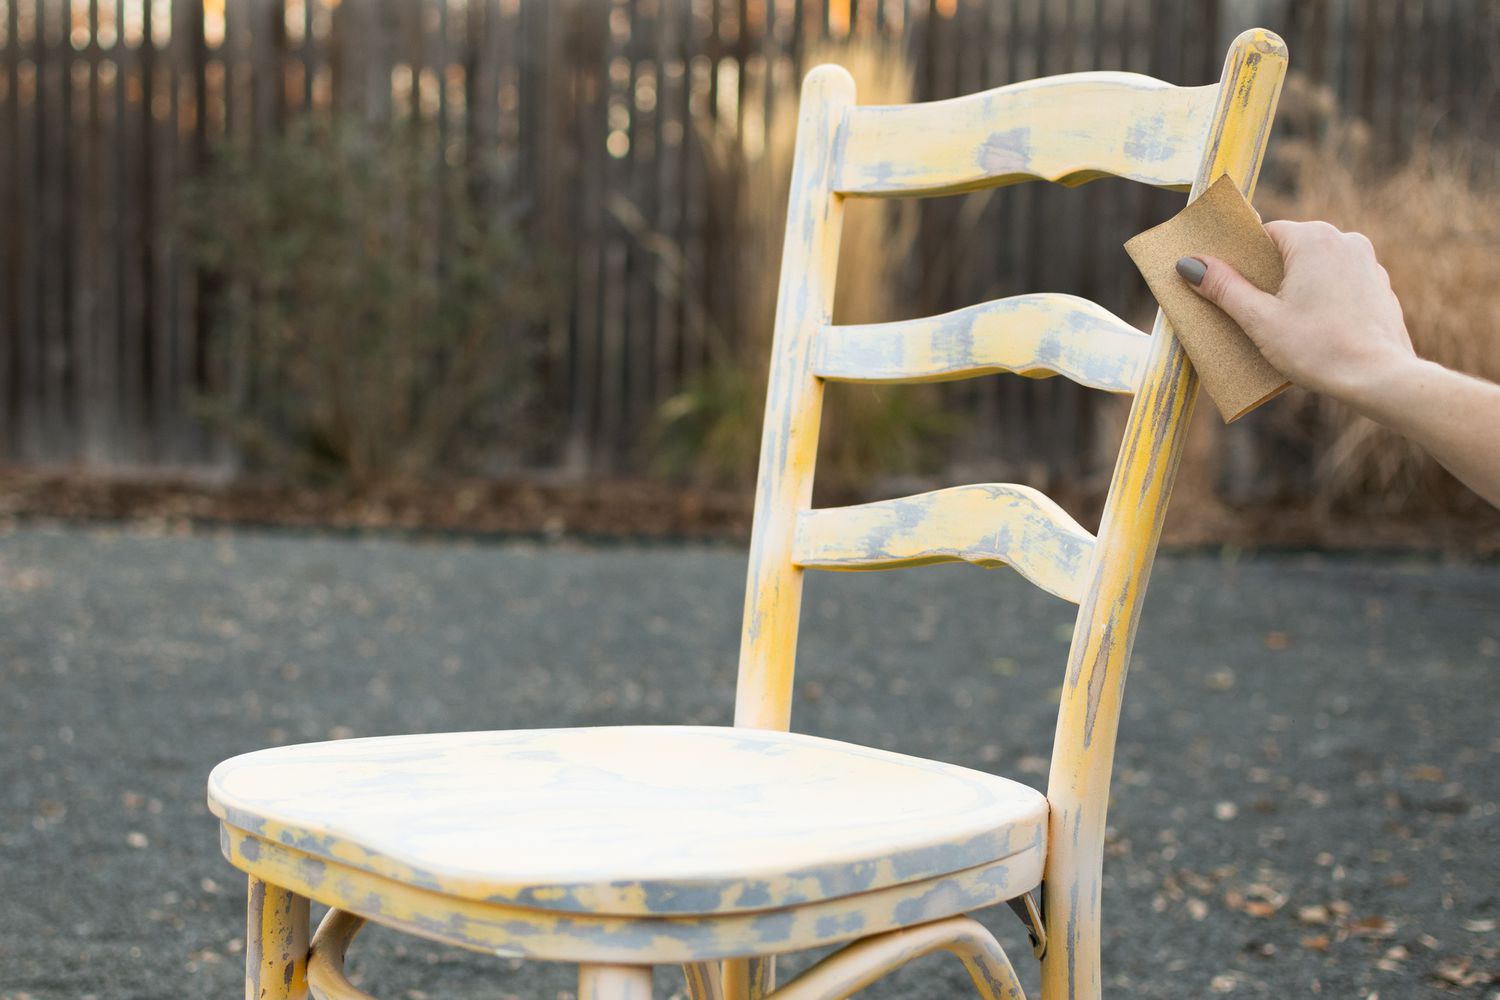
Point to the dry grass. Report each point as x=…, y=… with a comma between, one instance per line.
x=1436, y=229
x=712, y=429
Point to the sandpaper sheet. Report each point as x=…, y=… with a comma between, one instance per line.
x=1219, y=223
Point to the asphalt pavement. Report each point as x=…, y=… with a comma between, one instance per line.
x=1306, y=788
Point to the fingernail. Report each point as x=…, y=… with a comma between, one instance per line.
x=1192, y=269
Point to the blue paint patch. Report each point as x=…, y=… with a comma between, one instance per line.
x=1143, y=141
x=1007, y=152
x=837, y=926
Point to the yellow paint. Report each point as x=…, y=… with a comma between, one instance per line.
x=794, y=401
x=1088, y=718
x=1036, y=335
x=553, y=935
x=865, y=962
x=704, y=981
x=325, y=963
x=649, y=820
x=989, y=525
x=276, y=943
x=1069, y=129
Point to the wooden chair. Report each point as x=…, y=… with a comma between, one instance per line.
x=716, y=848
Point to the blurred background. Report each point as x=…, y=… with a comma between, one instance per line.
x=511, y=264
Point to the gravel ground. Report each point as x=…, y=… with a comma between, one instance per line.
x=1306, y=785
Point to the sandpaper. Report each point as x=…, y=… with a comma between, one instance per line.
x=1219, y=223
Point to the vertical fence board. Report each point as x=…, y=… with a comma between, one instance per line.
x=596, y=108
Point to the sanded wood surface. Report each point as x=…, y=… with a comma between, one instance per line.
x=276, y=942
x=325, y=962
x=865, y=962
x=565, y=936
x=989, y=525
x=644, y=820
x=1036, y=335
x=1099, y=658
x=1070, y=129
x=794, y=406
x=614, y=982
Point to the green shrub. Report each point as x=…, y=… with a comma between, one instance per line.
x=369, y=318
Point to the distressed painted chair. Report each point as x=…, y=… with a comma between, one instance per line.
x=716, y=848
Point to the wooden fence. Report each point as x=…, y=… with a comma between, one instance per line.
x=108, y=106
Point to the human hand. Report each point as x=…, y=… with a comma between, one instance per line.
x=1335, y=326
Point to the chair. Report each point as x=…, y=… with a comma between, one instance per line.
x=717, y=848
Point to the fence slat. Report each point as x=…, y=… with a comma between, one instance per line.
x=108, y=106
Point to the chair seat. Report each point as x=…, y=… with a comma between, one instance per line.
x=648, y=820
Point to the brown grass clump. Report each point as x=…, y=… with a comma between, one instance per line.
x=1435, y=225
x=712, y=429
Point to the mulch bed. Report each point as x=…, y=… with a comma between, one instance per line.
x=598, y=508
x=625, y=509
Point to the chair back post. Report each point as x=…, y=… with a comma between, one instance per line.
x=794, y=402
x=1089, y=713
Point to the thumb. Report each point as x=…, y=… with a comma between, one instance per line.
x=1226, y=288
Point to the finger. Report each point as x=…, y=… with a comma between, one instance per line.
x=1283, y=234
x=1226, y=288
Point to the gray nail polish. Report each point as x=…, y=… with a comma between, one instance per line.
x=1192, y=269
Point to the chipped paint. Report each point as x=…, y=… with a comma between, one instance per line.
x=988, y=524
x=1036, y=335
x=276, y=943
x=1089, y=714
x=628, y=819
x=794, y=401
x=863, y=963
x=1069, y=129
x=525, y=932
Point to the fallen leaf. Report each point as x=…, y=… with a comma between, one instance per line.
x=1372, y=927
x=1317, y=914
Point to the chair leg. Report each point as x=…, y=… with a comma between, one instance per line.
x=704, y=981
x=614, y=982
x=275, y=943
x=749, y=978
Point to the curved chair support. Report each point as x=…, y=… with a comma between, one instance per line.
x=325, y=962
x=856, y=966
x=846, y=971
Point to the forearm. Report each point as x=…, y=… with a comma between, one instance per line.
x=1454, y=417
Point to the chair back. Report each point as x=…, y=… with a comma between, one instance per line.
x=1067, y=129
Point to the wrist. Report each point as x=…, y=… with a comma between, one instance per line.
x=1381, y=391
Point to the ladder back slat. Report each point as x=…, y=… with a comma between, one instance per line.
x=1070, y=129
x=1033, y=335
x=989, y=525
